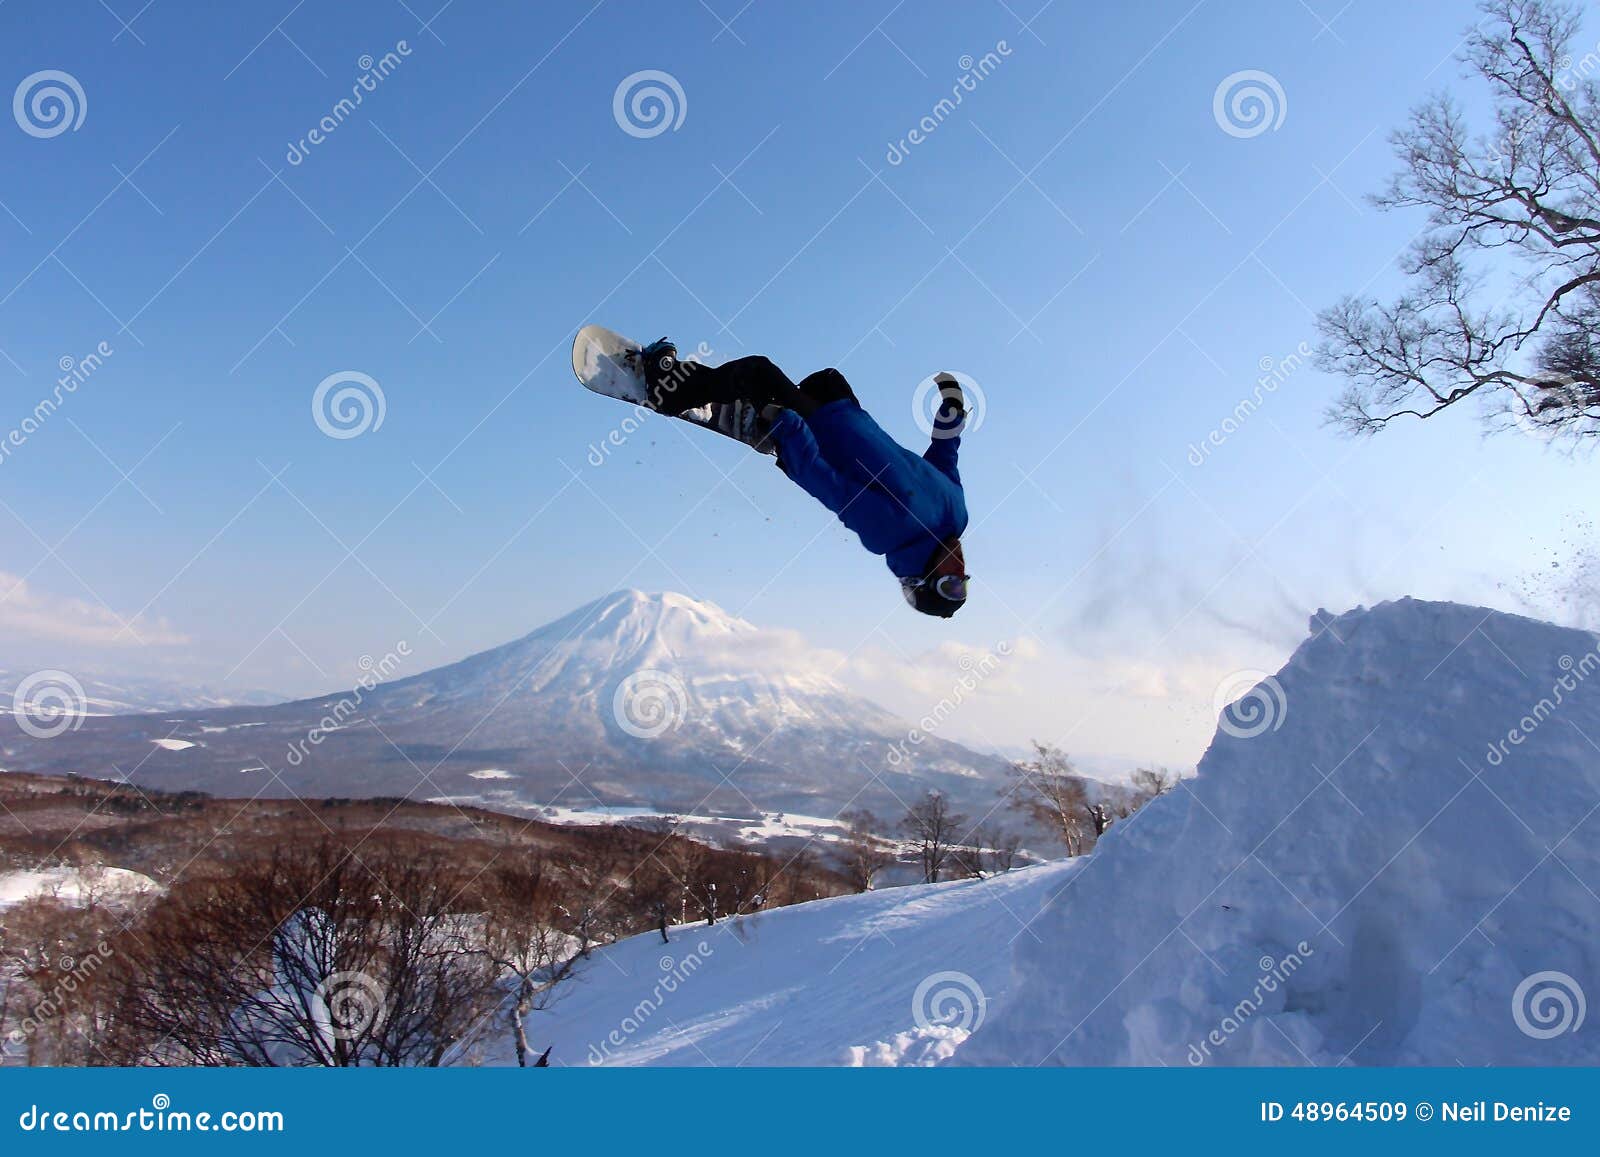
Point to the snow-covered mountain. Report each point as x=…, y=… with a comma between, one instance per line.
x=720, y=677
x=634, y=699
x=141, y=694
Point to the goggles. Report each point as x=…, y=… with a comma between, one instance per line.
x=952, y=587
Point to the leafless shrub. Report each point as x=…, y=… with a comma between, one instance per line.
x=988, y=851
x=318, y=955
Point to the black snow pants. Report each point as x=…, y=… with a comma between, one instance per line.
x=753, y=379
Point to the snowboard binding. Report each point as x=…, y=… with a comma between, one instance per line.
x=655, y=377
x=657, y=363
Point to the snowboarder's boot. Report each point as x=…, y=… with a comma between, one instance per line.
x=662, y=372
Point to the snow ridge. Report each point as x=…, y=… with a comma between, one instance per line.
x=1389, y=856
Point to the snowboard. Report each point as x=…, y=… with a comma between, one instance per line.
x=600, y=359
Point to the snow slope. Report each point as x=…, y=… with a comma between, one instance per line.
x=1390, y=855
x=833, y=982
x=72, y=885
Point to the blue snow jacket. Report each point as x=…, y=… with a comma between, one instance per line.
x=901, y=505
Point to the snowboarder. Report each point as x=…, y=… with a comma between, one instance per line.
x=908, y=508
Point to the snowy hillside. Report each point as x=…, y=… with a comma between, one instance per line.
x=1390, y=855
x=886, y=977
x=634, y=699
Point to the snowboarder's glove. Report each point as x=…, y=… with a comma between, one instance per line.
x=952, y=402
x=770, y=413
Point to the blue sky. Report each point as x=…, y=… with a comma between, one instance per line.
x=1080, y=237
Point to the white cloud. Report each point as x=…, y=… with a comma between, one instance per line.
x=899, y=681
x=27, y=611
x=997, y=668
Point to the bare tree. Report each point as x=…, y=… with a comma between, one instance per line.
x=802, y=878
x=1004, y=848
x=656, y=891
x=862, y=850
x=523, y=938
x=1051, y=793
x=746, y=877
x=1529, y=190
x=54, y=959
x=935, y=830
x=692, y=865
x=1149, y=782
x=684, y=861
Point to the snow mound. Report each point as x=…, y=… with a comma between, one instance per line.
x=1390, y=855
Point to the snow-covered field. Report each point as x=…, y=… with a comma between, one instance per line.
x=718, y=828
x=834, y=982
x=72, y=886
